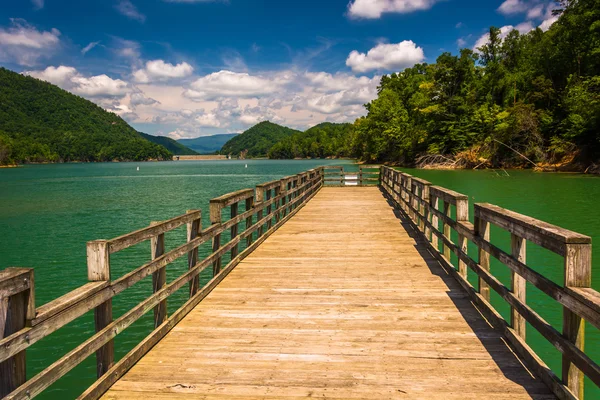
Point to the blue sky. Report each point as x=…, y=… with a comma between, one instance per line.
x=188, y=68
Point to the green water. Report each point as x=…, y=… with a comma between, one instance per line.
x=48, y=212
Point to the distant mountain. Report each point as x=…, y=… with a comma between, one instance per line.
x=170, y=144
x=207, y=144
x=40, y=122
x=257, y=140
x=320, y=141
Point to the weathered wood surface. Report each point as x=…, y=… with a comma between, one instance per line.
x=338, y=303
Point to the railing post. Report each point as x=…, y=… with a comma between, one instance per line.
x=434, y=202
x=15, y=310
x=424, y=206
x=446, y=229
x=215, y=219
x=360, y=176
x=269, y=209
x=408, y=187
x=98, y=263
x=159, y=277
x=260, y=198
x=519, y=287
x=482, y=229
x=415, y=205
x=462, y=214
x=234, y=231
x=249, y=206
x=193, y=231
x=578, y=273
x=278, y=204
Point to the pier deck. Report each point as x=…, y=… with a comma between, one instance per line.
x=340, y=302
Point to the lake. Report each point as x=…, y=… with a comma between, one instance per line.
x=49, y=212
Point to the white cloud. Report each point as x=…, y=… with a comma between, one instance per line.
x=89, y=47
x=547, y=23
x=510, y=7
x=373, y=9
x=128, y=49
x=230, y=84
x=38, y=4
x=160, y=70
x=70, y=79
x=533, y=9
x=208, y=120
x=460, y=42
x=484, y=39
x=386, y=57
x=139, y=98
x=128, y=9
x=23, y=44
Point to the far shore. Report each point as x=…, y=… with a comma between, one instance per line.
x=200, y=157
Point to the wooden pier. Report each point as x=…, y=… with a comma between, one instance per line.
x=337, y=285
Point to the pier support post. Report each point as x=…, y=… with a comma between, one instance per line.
x=447, y=230
x=249, y=206
x=482, y=229
x=98, y=263
x=159, y=277
x=578, y=273
x=17, y=306
x=269, y=209
x=193, y=231
x=215, y=219
x=434, y=202
x=462, y=215
x=234, y=231
x=518, y=249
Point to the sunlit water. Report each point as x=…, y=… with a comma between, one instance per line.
x=49, y=212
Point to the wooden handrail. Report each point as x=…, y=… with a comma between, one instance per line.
x=38, y=323
x=421, y=204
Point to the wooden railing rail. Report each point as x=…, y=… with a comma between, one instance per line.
x=367, y=175
x=426, y=206
x=23, y=324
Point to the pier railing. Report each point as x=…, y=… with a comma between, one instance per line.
x=367, y=175
x=427, y=206
x=265, y=209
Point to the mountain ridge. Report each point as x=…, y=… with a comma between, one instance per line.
x=40, y=122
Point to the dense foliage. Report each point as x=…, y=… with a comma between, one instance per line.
x=523, y=99
x=258, y=140
x=40, y=122
x=172, y=145
x=207, y=144
x=321, y=141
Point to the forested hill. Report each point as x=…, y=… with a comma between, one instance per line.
x=520, y=100
x=320, y=141
x=172, y=145
x=207, y=144
x=258, y=140
x=40, y=122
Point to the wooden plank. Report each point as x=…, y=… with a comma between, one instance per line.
x=133, y=238
x=232, y=198
x=13, y=281
x=549, y=236
x=159, y=277
x=403, y=324
x=578, y=273
x=98, y=264
x=70, y=299
x=14, y=310
x=194, y=229
x=518, y=285
x=103, y=384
